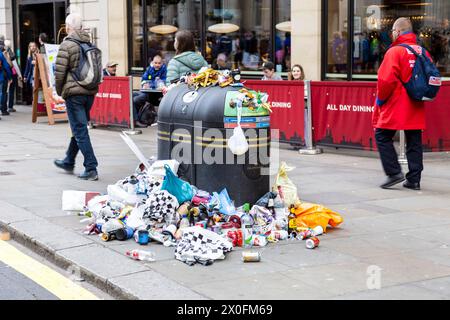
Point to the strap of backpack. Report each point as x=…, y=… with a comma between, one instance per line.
x=412, y=50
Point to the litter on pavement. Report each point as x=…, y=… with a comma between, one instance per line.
x=155, y=207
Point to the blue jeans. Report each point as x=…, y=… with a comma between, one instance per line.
x=78, y=108
x=3, y=95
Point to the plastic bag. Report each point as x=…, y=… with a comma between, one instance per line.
x=264, y=200
x=180, y=189
x=285, y=187
x=76, y=200
x=238, y=142
x=158, y=168
x=311, y=215
x=115, y=192
x=226, y=205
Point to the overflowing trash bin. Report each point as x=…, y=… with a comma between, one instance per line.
x=194, y=127
x=208, y=192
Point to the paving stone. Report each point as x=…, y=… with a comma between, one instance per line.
x=405, y=268
x=10, y=213
x=50, y=235
x=222, y=270
x=441, y=286
x=296, y=255
x=150, y=285
x=337, y=278
x=102, y=262
x=401, y=292
x=275, y=286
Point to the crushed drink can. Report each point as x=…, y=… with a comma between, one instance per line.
x=142, y=237
x=306, y=234
x=248, y=256
x=312, y=243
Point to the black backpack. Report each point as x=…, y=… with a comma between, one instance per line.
x=89, y=73
x=147, y=115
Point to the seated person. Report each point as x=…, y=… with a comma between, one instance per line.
x=221, y=63
x=269, y=72
x=153, y=78
x=111, y=69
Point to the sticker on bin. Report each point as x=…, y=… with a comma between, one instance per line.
x=248, y=125
x=246, y=119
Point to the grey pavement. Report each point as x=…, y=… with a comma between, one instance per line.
x=393, y=244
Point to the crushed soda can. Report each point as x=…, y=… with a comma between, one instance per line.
x=306, y=234
x=248, y=256
x=142, y=237
x=312, y=243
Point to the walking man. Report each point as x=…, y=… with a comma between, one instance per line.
x=395, y=110
x=78, y=99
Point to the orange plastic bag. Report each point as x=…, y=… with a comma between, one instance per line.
x=310, y=215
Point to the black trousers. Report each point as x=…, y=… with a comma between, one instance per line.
x=389, y=158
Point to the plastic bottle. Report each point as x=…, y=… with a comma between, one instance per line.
x=184, y=223
x=140, y=255
x=247, y=227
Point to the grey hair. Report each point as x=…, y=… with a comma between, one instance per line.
x=74, y=21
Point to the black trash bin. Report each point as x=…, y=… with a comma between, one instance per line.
x=193, y=128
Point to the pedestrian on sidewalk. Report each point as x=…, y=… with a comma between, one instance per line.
x=5, y=78
x=28, y=75
x=395, y=110
x=16, y=75
x=78, y=99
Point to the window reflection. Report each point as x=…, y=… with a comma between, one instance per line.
x=337, y=37
x=175, y=15
x=137, y=43
x=248, y=47
x=374, y=20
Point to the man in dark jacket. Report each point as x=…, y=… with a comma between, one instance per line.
x=78, y=100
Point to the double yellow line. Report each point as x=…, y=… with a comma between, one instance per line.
x=52, y=281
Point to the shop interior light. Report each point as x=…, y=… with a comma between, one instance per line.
x=284, y=26
x=163, y=29
x=223, y=28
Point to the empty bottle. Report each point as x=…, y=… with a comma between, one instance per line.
x=247, y=227
x=140, y=255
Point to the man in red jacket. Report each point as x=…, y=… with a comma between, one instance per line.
x=395, y=110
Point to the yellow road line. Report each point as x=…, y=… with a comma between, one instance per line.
x=51, y=280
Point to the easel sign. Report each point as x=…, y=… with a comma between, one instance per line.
x=54, y=111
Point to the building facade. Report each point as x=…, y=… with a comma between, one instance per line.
x=331, y=39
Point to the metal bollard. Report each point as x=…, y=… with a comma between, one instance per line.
x=310, y=149
x=132, y=130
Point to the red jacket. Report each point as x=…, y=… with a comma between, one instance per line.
x=394, y=109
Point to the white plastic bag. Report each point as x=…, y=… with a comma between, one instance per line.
x=76, y=200
x=157, y=168
x=238, y=142
x=115, y=192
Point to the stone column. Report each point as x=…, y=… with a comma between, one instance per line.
x=306, y=36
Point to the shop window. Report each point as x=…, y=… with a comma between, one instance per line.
x=283, y=36
x=337, y=39
x=166, y=17
x=374, y=20
x=372, y=23
x=238, y=34
x=137, y=36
